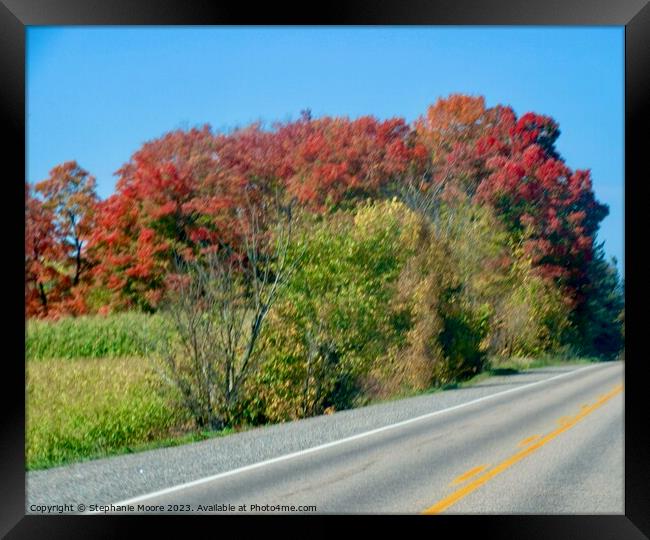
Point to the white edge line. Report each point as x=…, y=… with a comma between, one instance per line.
x=285, y=457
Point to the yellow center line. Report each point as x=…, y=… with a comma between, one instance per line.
x=468, y=474
x=528, y=440
x=448, y=501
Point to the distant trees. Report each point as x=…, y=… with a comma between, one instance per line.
x=600, y=318
x=43, y=251
x=59, y=219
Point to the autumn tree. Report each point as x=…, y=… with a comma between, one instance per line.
x=542, y=200
x=69, y=193
x=43, y=251
x=153, y=216
x=330, y=160
x=177, y=197
x=512, y=164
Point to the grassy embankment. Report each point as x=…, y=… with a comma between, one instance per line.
x=91, y=392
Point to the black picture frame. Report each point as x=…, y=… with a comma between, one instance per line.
x=16, y=15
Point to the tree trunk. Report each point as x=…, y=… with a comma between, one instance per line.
x=43, y=296
x=78, y=269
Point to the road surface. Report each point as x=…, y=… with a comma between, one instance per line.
x=547, y=441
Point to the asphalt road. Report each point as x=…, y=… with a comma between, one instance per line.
x=548, y=441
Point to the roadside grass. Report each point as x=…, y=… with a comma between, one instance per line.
x=512, y=366
x=89, y=408
x=523, y=363
x=114, y=336
x=496, y=367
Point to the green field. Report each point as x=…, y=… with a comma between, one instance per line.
x=115, y=336
x=84, y=408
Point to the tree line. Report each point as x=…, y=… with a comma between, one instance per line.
x=500, y=231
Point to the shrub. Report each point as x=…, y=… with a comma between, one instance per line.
x=215, y=310
x=474, y=294
x=335, y=318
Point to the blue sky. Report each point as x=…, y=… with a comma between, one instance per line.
x=96, y=94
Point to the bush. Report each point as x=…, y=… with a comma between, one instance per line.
x=474, y=295
x=531, y=316
x=335, y=318
x=215, y=310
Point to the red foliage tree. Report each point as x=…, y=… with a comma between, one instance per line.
x=552, y=207
x=69, y=192
x=446, y=137
x=176, y=198
x=43, y=251
x=151, y=216
x=512, y=164
x=329, y=160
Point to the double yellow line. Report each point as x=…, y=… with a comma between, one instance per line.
x=567, y=423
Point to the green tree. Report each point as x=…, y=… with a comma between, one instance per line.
x=335, y=319
x=600, y=319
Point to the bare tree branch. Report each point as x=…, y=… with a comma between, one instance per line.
x=218, y=308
